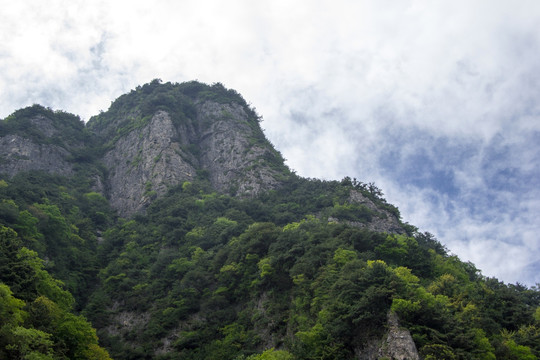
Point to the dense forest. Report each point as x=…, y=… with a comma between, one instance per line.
x=295, y=272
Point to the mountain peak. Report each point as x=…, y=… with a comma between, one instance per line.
x=153, y=138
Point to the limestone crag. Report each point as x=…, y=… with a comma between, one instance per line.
x=382, y=221
x=151, y=139
x=22, y=154
x=144, y=163
x=398, y=344
x=157, y=137
x=229, y=151
x=44, y=125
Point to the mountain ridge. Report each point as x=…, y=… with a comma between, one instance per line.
x=147, y=148
x=181, y=233
x=154, y=138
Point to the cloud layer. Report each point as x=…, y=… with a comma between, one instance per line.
x=434, y=101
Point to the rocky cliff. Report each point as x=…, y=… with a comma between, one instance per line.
x=383, y=219
x=156, y=137
x=155, y=146
x=398, y=343
x=22, y=154
x=36, y=138
x=161, y=137
x=143, y=163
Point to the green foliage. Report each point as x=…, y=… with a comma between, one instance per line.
x=35, y=317
x=202, y=275
x=272, y=354
x=30, y=344
x=59, y=219
x=224, y=277
x=516, y=351
x=352, y=212
x=65, y=129
x=437, y=352
x=137, y=107
x=11, y=313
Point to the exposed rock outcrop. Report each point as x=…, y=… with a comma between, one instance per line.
x=148, y=160
x=144, y=163
x=22, y=154
x=398, y=344
x=44, y=125
x=382, y=220
x=232, y=151
x=155, y=138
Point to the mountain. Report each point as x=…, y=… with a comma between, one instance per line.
x=179, y=232
x=161, y=135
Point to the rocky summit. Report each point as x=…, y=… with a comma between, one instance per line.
x=156, y=137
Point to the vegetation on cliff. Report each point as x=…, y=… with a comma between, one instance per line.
x=308, y=269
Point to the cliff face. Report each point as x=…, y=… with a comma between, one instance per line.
x=150, y=151
x=154, y=138
x=22, y=154
x=383, y=221
x=235, y=155
x=397, y=344
x=38, y=139
x=143, y=163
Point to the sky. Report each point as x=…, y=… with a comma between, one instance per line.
x=436, y=102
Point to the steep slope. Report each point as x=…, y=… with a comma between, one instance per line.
x=143, y=163
x=36, y=138
x=221, y=252
x=157, y=137
x=209, y=276
x=36, y=321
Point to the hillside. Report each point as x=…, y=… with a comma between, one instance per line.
x=178, y=232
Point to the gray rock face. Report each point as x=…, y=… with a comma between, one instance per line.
x=144, y=163
x=229, y=151
x=382, y=221
x=44, y=125
x=398, y=344
x=22, y=154
x=147, y=153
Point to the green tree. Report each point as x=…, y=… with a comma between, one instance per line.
x=272, y=354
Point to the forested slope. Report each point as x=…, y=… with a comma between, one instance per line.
x=213, y=263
